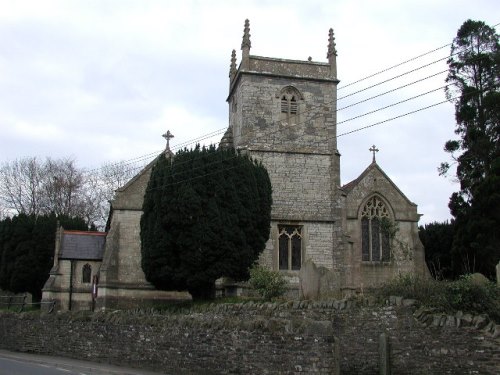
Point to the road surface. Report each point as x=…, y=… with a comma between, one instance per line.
x=12, y=363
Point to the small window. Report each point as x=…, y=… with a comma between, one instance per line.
x=290, y=247
x=284, y=104
x=375, y=242
x=289, y=104
x=293, y=106
x=86, y=274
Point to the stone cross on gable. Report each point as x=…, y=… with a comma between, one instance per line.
x=374, y=150
x=168, y=136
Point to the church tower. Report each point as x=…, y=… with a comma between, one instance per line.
x=283, y=112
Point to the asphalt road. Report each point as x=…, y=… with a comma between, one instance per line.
x=12, y=363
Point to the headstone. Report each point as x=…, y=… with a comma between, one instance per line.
x=317, y=282
x=498, y=273
x=336, y=356
x=384, y=350
x=478, y=279
x=309, y=280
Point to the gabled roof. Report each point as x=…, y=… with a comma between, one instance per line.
x=81, y=245
x=347, y=188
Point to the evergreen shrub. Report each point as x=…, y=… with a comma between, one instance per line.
x=268, y=284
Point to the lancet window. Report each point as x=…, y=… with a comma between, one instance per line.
x=86, y=273
x=290, y=247
x=375, y=242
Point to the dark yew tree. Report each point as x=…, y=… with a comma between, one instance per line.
x=437, y=239
x=473, y=86
x=206, y=215
x=27, y=244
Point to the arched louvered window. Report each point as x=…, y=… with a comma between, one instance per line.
x=375, y=242
x=289, y=104
x=290, y=247
x=86, y=273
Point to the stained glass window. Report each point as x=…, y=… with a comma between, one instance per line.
x=375, y=242
x=290, y=247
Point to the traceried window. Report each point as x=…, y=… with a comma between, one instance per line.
x=290, y=247
x=86, y=273
x=289, y=104
x=375, y=243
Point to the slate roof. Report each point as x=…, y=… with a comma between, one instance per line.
x=82, y=245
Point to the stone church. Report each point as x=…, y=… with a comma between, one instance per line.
x=283, y=112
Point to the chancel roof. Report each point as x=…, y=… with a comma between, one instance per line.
x=82, y=245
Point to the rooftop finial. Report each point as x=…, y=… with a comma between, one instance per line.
x=246, y=36
x=374, y=150
x=245, y=47
x=331, y=45
x=168, y=136
x=232, y=68
x=332, y=54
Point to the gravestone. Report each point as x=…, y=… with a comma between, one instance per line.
x=498, y=273
x=317, y=282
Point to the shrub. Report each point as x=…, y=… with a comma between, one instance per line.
x=269, y=284
x=450, y=296
x=465, y=294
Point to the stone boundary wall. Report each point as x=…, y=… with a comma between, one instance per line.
x=271, y=338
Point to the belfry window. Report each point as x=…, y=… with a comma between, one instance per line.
x=375, y=243
x=86, y=273
x=289, y=105
x=290, y=98
x=290, y=247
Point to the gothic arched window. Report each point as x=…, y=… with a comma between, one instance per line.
x=290, y=247
x=375, y=243
x=86, y=273
x=289, y=104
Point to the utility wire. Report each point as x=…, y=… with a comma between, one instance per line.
x=222, y=130
x=336, y=136
x=340, y=88
x=394, y=66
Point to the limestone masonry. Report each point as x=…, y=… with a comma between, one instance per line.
x=283, y=113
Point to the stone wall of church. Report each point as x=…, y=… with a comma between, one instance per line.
x=59, y=286
x=131, y=196
x=257, y=121
x=123, y=283
x=317, y=245
x=122, y=255
x=301, y=185
x=312, y=70
x=406, y=253
x=301, y=196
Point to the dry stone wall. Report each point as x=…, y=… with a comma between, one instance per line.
x=274, y=338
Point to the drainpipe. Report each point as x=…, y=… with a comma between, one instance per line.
x=70, y=284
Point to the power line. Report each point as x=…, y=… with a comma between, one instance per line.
x=394, y=66
x=342, y=134
x=337, y=136
x=222, y=130
x=393, y=78
x=393, y=104
x=389, y=91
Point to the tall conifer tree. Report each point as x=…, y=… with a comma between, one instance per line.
x=206, y=215
x=473, y=85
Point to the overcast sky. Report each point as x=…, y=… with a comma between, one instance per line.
x=101, y=81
